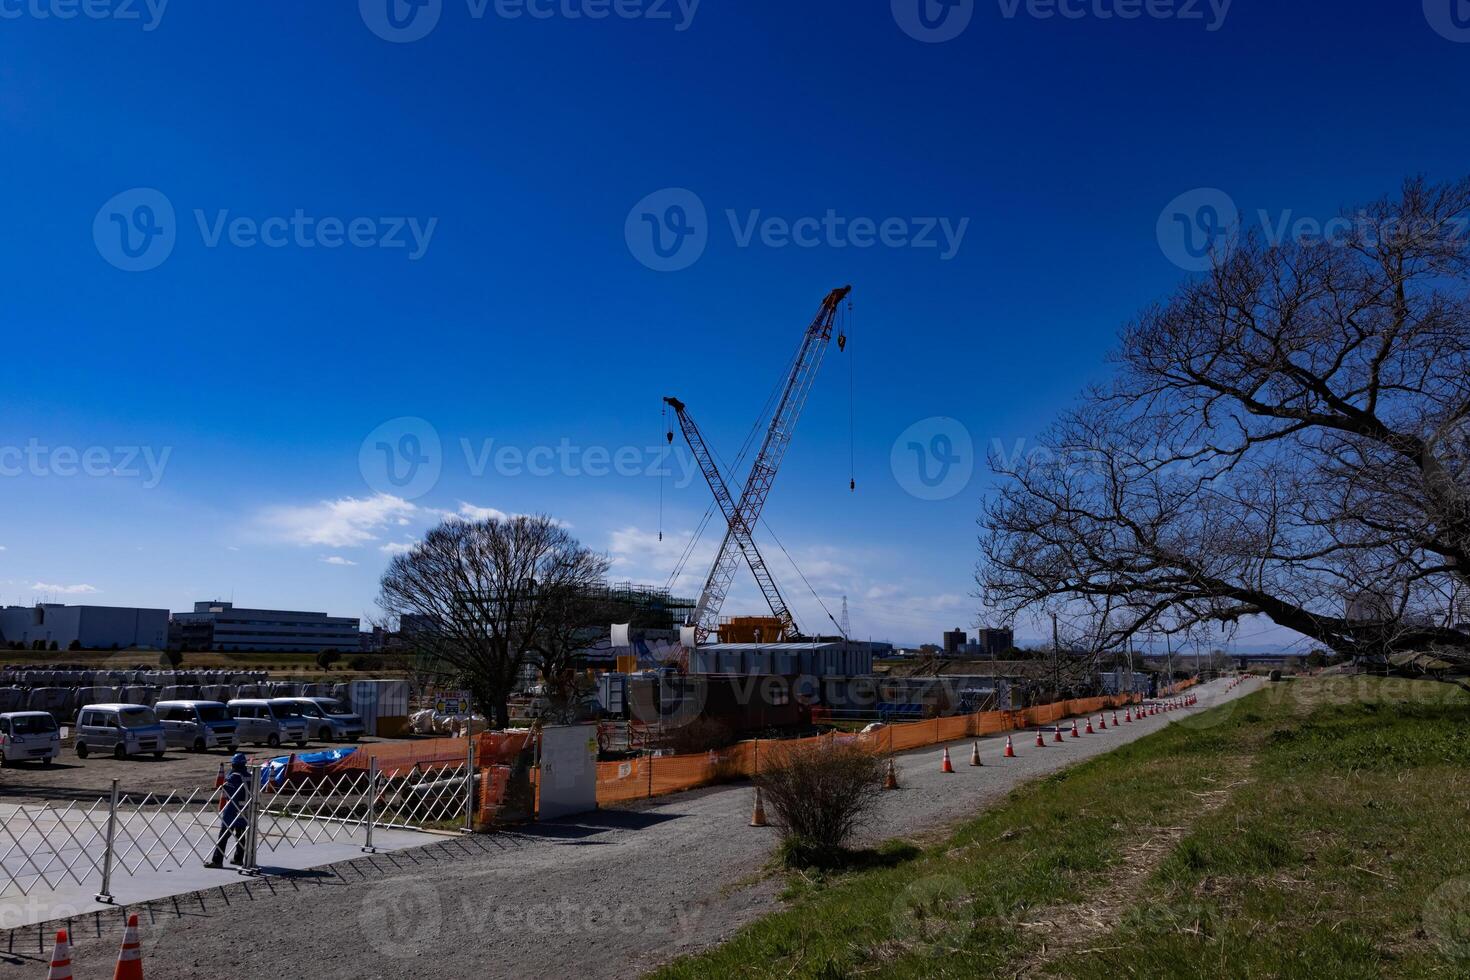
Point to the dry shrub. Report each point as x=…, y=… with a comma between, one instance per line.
x=820, y=795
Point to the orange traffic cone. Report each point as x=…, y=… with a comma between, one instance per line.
x=945, y=765
x=1115, y=719
x=1102, y=723
x=60, y=958
x=757, y=815
x=1040, y=742
x=975, y=755
x=1075, y=732
x=890, y=781
x=1128, y=715
x=130, y=959
x=1010, y=748
x=1090, y=729
x=1057, y=734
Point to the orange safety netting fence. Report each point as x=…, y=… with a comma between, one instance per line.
x=646, y=776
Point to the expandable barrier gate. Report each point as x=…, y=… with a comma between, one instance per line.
x=647, y=776
x=419, y=786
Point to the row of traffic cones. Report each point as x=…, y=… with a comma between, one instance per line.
x=129, y=959
x=946, y=764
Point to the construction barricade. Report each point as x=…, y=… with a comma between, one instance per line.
x=656, y=775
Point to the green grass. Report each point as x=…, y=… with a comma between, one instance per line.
x=1314, y=829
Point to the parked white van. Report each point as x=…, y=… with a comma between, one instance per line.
x=196, y=725
x=123, y=729
x=329, y=720
x=268, y=721
x=29, y=736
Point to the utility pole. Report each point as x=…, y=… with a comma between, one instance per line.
x=1056, y=657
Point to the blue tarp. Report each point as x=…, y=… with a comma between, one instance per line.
x=274, y=770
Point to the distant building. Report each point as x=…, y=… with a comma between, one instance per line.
x=221, y=626
x=954, y=641
x=814, y=658
x=995, y=642
x=87, y=627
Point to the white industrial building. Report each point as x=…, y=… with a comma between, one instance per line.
x=219, y=625
x=87, y=627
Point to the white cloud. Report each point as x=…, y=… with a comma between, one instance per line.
x=396, y=547
x=470, y=512
x=82, y=589
x=338, y=560
x=348, y=522
x=639, y=555
x=473, y=512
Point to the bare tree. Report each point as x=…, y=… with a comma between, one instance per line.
x=479, y=596
x=1287, y=436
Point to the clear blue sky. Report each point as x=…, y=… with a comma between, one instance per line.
x=522, y=148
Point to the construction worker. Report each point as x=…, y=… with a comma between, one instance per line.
x=232, y=815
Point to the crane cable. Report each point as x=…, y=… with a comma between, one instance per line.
x=664, y=430
x=851, y=384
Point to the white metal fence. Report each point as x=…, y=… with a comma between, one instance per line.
x=45, y=847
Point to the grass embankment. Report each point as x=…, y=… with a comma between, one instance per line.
x=1316, y=828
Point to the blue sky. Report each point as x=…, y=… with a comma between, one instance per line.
x=368, y=228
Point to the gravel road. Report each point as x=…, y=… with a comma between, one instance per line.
x=610, y=894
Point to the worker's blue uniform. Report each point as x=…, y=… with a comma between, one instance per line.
x=233, y=816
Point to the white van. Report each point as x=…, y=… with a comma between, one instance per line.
x=29, y=736
x=329, y=720
x=124, y=729
x=268, y=721
x=197, y=725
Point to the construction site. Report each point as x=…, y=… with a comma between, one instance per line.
x=672, y=490
x=672, y=696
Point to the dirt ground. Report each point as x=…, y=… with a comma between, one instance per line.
x=70, y=779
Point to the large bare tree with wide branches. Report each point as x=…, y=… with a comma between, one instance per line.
x=1286, y=436
x=481, y=599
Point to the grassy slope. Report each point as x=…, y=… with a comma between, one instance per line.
x=1313, y=829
